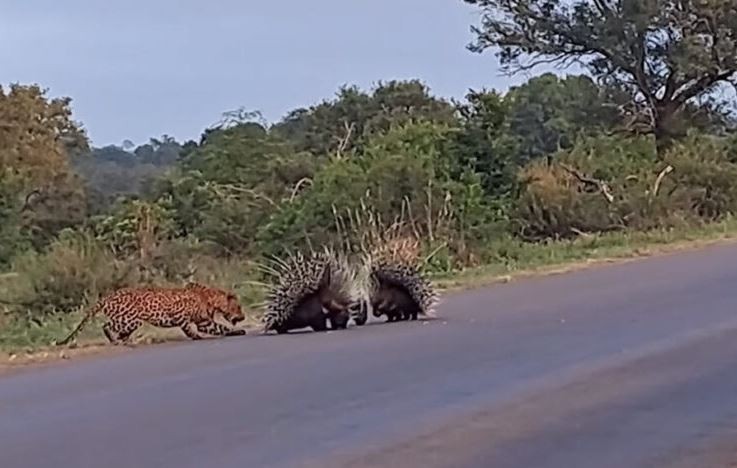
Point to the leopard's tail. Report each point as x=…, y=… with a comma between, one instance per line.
x=91, y=313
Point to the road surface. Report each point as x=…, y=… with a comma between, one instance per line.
x=623, y=366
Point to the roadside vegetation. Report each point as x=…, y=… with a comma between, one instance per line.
x=638, y=151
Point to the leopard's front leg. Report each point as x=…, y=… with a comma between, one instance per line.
x=213, y=328
x=190, y=329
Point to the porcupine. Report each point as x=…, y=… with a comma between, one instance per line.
x=399, y=290
x=309, y=291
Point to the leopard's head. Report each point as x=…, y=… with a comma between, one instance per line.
x=224, y=302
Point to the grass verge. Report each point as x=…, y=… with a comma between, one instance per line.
x=520, y=259
x=26, y=342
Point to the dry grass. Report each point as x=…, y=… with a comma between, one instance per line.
x=587, y=252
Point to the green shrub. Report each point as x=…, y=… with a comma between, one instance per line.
x=704, y=176
x=74, y=269
x=610, y=183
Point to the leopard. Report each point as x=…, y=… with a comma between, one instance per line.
x=193, y=308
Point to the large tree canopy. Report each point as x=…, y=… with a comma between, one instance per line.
x=36, y=133
x=342, y=124
x=39, y=194
x=664, y=53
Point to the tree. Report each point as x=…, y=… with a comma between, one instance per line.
x=663, y=53
x=112, y=171
x=485, y=143
x=501, y=133
x=548, y=113
x=37, y=135
x=408, y=179
x=343, y=124
x=12, y=239
x=159, y=152
x=226, y=185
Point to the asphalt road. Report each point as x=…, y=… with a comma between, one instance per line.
x=625, y=366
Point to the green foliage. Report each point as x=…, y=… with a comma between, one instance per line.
x=309, y=218
x=27, y=111
x=548, y=113
x=609, y=183
x=485, y=143
x=12, y=238
x=502, y=133
x=662, y=53
x=596, y=186
x=231, y=183
x=134, y=228
x=346, y=122
x=704, y=177
x=112, y=172
x=74, y=269
x=408, y=176
x=39, y=194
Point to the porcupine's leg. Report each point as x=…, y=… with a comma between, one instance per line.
x=378, y=309
x=319, y=324
x=359, y=311
x=392, y=315
x=339, y=320
x=410, y=314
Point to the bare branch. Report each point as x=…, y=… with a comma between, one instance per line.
x=29, y=200
x=702, y=84
x=345, y=140
x=297, y=186
x=601, y=185
x=603, y=7
x=659, y=180
x=237, y=189
x=578, y=232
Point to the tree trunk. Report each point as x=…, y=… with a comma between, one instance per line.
x=663, y=142
x=664, y=131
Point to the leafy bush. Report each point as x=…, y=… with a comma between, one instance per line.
x=74, y=269
x=609, y=183
x=407, y=176
x=704, y=175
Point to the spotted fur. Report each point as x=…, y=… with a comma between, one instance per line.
x=192, y=308
x=309, y=291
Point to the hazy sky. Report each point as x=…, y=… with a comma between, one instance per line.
x=142, y=68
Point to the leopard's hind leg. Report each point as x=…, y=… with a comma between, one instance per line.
x=120, y=331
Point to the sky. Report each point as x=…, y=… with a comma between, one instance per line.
x=137, y=69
